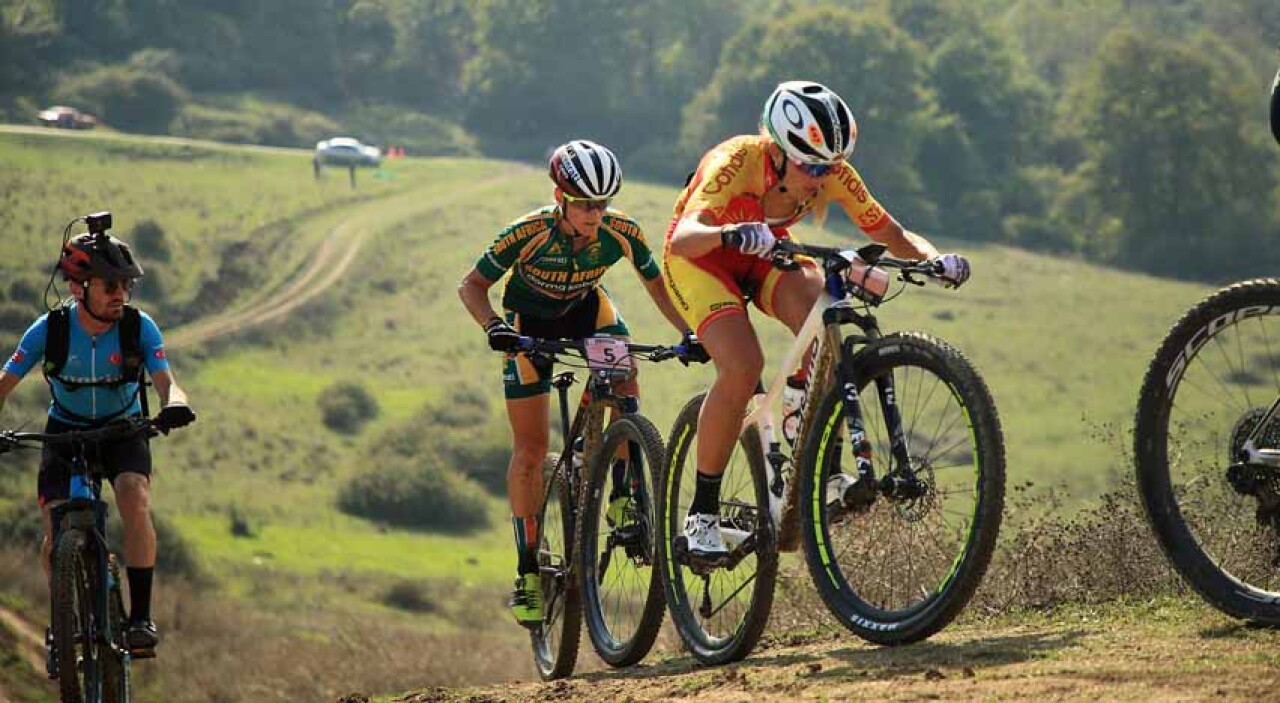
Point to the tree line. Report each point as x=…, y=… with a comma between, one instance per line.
x=1128, y=132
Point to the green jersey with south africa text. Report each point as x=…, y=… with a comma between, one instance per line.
x=547, y=277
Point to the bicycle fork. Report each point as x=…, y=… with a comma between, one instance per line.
x=900, y=481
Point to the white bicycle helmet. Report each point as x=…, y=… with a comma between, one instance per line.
x=584, y=169
x=810, y=123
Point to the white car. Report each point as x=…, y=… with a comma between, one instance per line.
x=66, y=118
x=346, y=151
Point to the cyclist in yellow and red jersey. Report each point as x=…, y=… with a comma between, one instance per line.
x=553, y=260
x=756, y=186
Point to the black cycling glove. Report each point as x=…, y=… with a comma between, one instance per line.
x=693, y=349
x=502, y=337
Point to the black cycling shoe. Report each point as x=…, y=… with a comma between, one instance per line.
x=50, y=657
x=141, y=637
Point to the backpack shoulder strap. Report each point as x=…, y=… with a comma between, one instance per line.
x=132, y=361
x=57, y=340
x=131, y=341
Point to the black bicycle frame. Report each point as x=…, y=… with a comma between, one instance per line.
x=87, y=512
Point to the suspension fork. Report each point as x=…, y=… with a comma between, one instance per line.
x=854, y=426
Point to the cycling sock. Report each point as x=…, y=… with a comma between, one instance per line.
x=706, y=496
x=139, y=593
x=526, y=529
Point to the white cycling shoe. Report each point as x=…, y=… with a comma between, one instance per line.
x=703, y=534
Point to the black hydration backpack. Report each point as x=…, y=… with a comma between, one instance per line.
x=58, y=343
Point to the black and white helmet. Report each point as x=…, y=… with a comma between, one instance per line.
x=810, y=122
x=584, y=169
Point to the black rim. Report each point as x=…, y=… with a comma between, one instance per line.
x=900, y=555
x=1221, y=397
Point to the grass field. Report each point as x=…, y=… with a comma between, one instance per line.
x=1062, y=343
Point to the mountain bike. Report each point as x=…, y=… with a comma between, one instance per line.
x=596, y=541
x=88, y=618
x=1207, y=448
x=895, y=545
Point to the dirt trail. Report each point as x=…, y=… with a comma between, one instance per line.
x=326, y=266
x=1145, y=656
x=30, y=641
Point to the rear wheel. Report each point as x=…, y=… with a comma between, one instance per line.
x=621, y=588
x=897, y=566
x=74, y=630
x=1209, y=387
x=555, y=643
x=720, y=612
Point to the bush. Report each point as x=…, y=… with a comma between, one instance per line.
x=125, y=97
x=419, y=133
x=416, y=493
x=254, y=122
x=481, y=454
x=410, y=596
x=23, y=291
x=150, y=241
x=347, y=406
x=20, y=527
x=174, y=554
x=15, y=318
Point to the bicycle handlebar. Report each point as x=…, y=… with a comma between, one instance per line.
x=644, y=352
x=117, y=429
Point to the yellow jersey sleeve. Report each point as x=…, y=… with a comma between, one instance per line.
x=844, y=186
x=733, y=169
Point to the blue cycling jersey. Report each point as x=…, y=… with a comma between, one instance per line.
x=90, y=359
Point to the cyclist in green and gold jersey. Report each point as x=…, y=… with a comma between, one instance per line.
x=554, y=258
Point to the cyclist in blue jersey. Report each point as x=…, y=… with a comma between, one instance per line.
x=99, y=381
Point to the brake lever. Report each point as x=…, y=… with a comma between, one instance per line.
x=783, y=260
x=908, y=278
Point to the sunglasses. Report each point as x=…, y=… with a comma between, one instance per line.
x=588, y=203
x=814, y=170
x=112, y=287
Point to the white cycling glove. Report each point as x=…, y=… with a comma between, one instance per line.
x=952, y=268
x=751, y=238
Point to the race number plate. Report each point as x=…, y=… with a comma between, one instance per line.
x=608, y=354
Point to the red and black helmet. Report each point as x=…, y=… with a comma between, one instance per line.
x=90, y=255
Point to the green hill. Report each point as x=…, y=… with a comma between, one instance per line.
x=1062, y=344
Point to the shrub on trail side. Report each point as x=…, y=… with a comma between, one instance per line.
x=420, y=492
x=1049, y=555
x=346, y=406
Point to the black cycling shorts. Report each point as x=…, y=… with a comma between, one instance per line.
x=115, y=457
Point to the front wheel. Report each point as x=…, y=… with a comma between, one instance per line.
x=74, y=628
x=621, y=588
x=114, y=655
x=898, y=565
x=1208, y=390
x=555, y=643
x=719, y=612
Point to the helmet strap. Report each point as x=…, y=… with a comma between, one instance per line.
x=88, y=307
x=780, y=173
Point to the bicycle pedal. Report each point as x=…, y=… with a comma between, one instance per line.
x=143, y=653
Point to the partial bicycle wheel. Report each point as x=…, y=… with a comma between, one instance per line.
x=80, y=674
x=900, y=569
x=1208, y=389
x=621, y=589
x=116, y=684
x=555, y=644
x=720, y=613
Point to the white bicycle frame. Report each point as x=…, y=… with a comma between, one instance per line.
x=760, y=411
